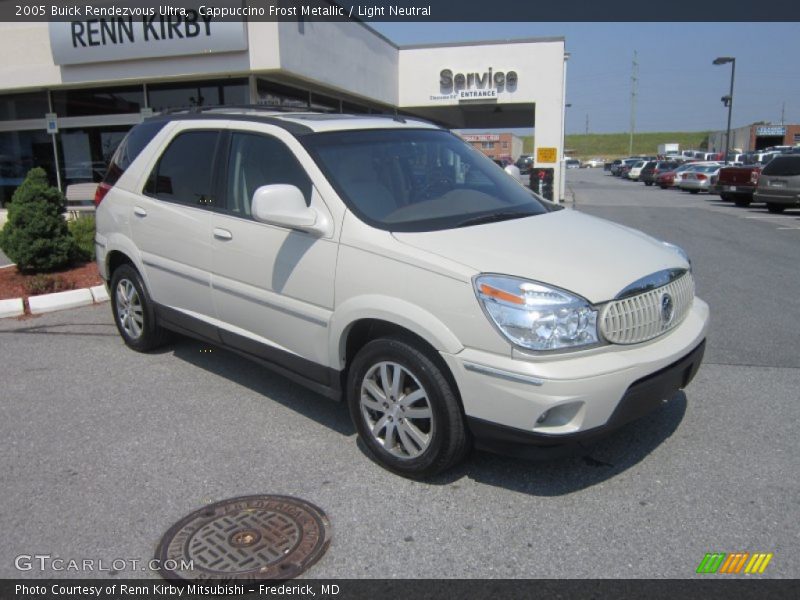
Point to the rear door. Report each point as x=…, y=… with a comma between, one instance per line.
x=171, y=222
x=272, y=286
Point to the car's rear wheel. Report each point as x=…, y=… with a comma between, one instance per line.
x=133, y=311
x=775, y=208
x=405, y=409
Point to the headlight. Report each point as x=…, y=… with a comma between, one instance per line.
x=536, y=316
x=680, y=252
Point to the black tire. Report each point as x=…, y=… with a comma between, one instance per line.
x=775, y=208
x=648, y=183
x=445, y=431
x=742, y=202
x=725, y=197
x=694, y=191
x=664, y=187
x=150, y=334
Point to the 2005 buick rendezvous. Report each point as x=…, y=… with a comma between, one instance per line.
x=386, y=262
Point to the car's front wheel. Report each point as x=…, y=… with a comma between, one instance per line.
x=133, y=311
x=405, y=409
x=775, y=208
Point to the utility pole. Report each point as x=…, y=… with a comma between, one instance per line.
x=634, y=82
x=587, y=123
x=783, y=112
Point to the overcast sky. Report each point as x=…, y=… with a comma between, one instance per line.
x=679, y=89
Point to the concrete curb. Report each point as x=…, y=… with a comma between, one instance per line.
x=60, y=301
x=11, y=308
x=45, y=303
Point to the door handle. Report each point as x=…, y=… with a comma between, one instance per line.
x=222, y=234
x=139, y=211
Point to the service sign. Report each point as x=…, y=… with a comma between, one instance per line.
x=771, y=130
x=149, y=36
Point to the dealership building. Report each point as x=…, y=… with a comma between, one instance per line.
x=69, y=91
x=756, y=137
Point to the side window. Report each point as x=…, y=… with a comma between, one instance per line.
x=257, y=160
x=184, y=172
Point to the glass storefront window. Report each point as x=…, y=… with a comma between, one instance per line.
x=324, y=103
x=84, y=154
x=30, y=105
x=107, y=101
x=20, y=151
x=164, y=96
x=279, y=95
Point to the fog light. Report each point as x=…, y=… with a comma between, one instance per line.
x=543, y=417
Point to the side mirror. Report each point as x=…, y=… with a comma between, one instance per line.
x=284, y=205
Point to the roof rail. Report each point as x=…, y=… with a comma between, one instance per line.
x=262, y=107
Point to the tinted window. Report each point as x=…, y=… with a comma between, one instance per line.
x=184, y=172
x=418, y=180
x=106, y=101
x=783, y=166
x=257, y=160
x=130, y=148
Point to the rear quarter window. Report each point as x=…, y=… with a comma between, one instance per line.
x=783, y=166
x=130, y=148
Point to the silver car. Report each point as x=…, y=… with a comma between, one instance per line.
x=698, y=179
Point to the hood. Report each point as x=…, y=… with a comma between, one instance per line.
x=586, y=255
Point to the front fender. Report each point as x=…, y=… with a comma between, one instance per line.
x=393, y=310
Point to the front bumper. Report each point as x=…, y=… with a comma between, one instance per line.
x=642, y=397
x=548, y=401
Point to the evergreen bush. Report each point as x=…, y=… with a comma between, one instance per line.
x=36, y=236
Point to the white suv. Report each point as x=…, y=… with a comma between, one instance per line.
x=384, y=261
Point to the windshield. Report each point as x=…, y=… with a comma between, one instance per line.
x=418, y=179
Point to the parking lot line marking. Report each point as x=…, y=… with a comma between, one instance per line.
x=794, y=228
x=764, y=217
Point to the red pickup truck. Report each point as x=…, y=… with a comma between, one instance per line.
x=737, y=184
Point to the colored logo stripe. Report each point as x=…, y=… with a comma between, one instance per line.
x=758, y=563
x=733, y=563
x=711, y=562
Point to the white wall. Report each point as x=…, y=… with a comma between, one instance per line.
x=344, y=56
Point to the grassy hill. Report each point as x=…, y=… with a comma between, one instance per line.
x=615, y=145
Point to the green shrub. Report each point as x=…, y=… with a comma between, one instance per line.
x=36, y=236
x=82, y=229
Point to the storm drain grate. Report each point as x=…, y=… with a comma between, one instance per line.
x=251, y=537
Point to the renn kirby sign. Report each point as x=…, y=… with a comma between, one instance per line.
x=148, y=36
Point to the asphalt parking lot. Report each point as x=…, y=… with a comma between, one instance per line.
x=104, y=449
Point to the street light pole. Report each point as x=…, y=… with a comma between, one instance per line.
x=728, y=100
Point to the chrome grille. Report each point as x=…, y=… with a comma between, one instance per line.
x=641, y=317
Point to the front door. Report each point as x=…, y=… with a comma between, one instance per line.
x=272, y=286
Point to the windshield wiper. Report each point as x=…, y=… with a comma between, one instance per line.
x=493, y=218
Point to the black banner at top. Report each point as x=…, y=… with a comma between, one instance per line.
x=400, y=10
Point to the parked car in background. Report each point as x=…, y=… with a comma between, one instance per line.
x=698, y=179
x=779, y=184
x=594, y=163
x=572, y=163
x=737, y=183
x=684, y=170
x=636, y=168
x=624, y=166
x=652, y=169
x=511, y=169
x=609, y=166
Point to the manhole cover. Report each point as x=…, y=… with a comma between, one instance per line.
x=252, y=537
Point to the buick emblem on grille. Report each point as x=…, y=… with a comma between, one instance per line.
x=667, y=309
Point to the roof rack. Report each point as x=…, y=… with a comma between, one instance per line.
x=260, y=107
